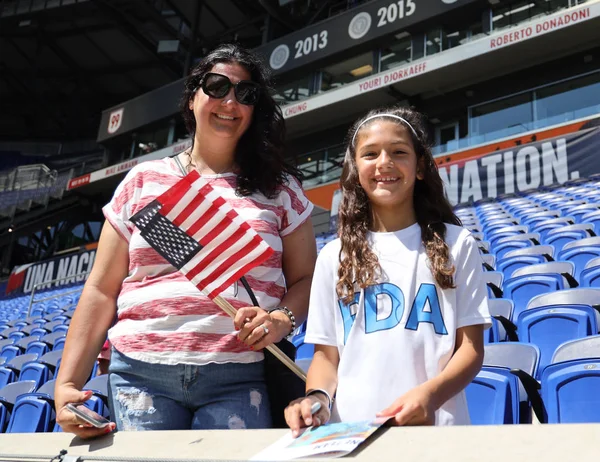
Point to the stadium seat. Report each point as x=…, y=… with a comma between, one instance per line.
x=521, y=360
x=99, y=400
x=570, y=391
x=8, y=397
x=521, y=289
x=493, y=280
x=559, y=240
x=9, y=352
x=550, y=326
x=583, y=348
x=594, y=219
x=565, y=268
x=502, y=250
x=533, y=237
x=587, y=229
x=587, y=242
x=501, y=309
x=555, y=223
x=578, y=296
x=52, y=361
x=580, y=256
x=493, y=398
x=489, y=261
x=547, y=251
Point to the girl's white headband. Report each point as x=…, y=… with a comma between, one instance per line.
x=393, y=116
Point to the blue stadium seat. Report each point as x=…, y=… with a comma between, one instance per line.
x=39, y=373
x=547, y=251
x=493, y=398
x=570, y=391
x=501, y=309
x=32, y=413
x=8, y=397
x=550, y=326
x=99, y=400
x=38, y=348
x=522, y=289
x=501, y=250
x=583, y=348
x=594, y=219
x=556, y=223
x=580, y=256
x=10, y=351
x=494, y=280
x=590, y=277
x=593, y=241
x=521, y=360
x=559, y=240
x=59, y=343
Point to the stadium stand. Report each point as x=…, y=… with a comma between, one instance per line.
x=511, y=91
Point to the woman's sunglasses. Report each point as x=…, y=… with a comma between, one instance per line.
x=217, y=86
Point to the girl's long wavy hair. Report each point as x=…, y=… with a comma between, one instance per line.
x=260, y=150
x=358, y=264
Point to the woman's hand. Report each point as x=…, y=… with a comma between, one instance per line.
x=69, y=422
x=297, y=414
x=259, y=329
x=415, y=407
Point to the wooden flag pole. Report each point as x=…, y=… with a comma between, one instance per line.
x=280, y=355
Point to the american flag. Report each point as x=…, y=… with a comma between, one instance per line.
x=198, y=232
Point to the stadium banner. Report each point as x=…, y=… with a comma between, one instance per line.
x=523, y=168
x=75, y=267
x=506, y=167
x=356, y=27
x=488, y=44
x=128, y=165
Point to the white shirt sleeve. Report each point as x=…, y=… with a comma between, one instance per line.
x=321, y=325
x=471, y=290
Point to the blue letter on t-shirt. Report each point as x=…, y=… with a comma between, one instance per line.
x=427, y=292
x=348, y=311
x=372, y=324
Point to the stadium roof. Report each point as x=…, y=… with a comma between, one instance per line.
x=64, y=61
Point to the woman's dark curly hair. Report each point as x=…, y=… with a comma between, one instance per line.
x=260, y=150
x=358, y=263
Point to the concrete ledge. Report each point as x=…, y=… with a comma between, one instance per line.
x=548, y=443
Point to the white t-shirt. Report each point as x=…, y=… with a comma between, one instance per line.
x=401, y=332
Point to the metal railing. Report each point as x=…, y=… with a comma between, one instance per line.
x=31, y=301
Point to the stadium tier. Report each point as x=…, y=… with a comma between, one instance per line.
x=541, y=255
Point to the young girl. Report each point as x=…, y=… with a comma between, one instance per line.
x=398, y=304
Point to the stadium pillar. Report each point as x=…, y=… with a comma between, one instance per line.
x=197, y=15
x=7, y=255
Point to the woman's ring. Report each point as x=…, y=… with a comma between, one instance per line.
x=265, y=328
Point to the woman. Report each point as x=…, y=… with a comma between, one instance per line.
x=178, y=361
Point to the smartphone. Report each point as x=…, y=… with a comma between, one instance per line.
x=88, y=415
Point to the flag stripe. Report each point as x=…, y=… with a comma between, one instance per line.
x=211, y=253
x=233, y=260
x=170, y=198
x=246, y=265
x=207, y=213
x=236, y=248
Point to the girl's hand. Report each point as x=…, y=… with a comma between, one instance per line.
x=70, y=423
x=297, y=414
x=259, y=329
x=415, y=407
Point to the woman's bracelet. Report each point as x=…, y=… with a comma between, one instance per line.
x=290, y=316
x=313, y=391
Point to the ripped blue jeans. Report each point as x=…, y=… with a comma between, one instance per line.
x=147, y=396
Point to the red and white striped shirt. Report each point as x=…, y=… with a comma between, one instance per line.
x=162, y=317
